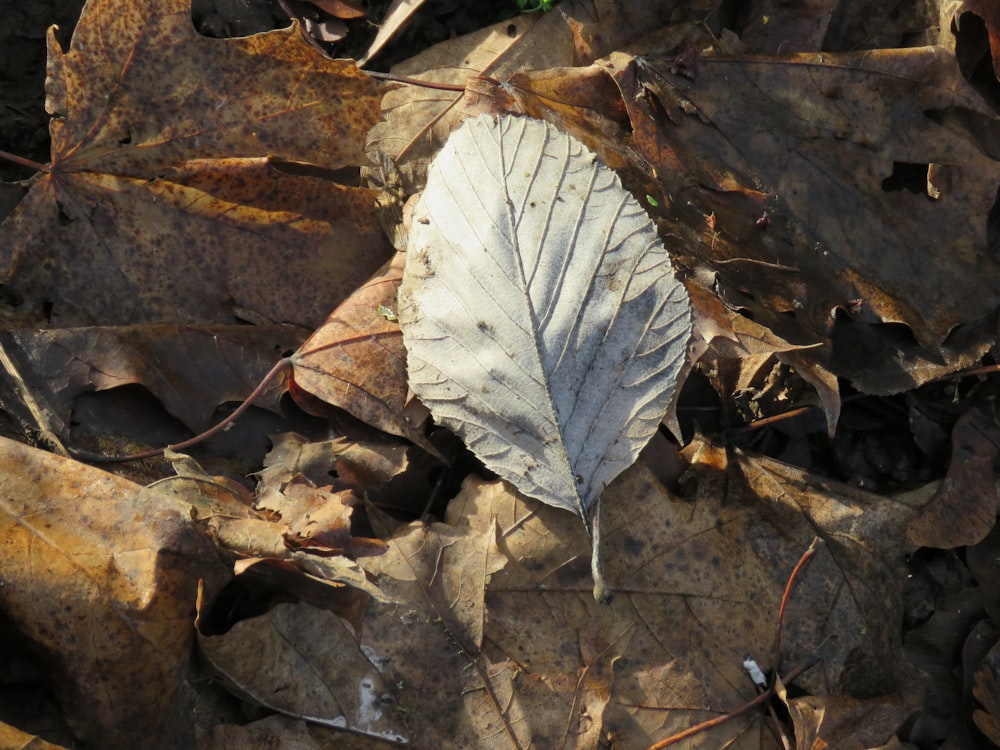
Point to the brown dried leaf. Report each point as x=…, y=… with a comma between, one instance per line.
x=277, y=731
x=988, y=12
x=191, y=370
x=841, y=721
x=772, y=27
x=177, y=194
x=784, y=191
x=102, y=575
x=15, y=738
x=963, y=510
x=987, y=692
x=780, y=178
x=394, y=21
x=417, y=121
x=306, y=662
x=356, y=360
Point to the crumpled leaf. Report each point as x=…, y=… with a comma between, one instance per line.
x=963, y=510
x=194, y=179
x=540, y=314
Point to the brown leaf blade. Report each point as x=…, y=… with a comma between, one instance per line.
x=305, y=662
x=168, y=195
x=102, y=576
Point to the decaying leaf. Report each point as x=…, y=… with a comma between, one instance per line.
x=539, y=309
x=194, y=178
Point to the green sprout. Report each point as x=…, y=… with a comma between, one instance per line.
x=534, y=6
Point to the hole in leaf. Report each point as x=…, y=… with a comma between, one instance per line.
x=906, y=176
x=347, y=176
x=63, y=218
x=993, y=227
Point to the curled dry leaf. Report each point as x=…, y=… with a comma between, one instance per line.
x=541, y=317
x=963, y=510
x=191, y=176
x=190, y=369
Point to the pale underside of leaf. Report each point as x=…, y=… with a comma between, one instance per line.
x=539, y=309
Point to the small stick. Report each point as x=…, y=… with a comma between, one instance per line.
x=784, y=597
x=745, y=708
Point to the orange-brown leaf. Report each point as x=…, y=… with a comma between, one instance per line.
x=356, y=361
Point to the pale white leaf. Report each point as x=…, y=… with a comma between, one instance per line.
x=541, y=316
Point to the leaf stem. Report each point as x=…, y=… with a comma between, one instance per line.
x=415, y=81
x=25, y=162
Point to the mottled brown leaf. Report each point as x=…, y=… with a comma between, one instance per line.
x=306, y=662
x=102, y=576
x=192, y=179
x=814, y=191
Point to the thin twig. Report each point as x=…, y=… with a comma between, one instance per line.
x=784, y=597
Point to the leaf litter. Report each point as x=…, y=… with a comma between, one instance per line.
x=497, y=594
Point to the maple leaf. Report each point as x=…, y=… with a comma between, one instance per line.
x=194, y=177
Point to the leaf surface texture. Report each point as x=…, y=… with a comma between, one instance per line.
x=541, y=316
